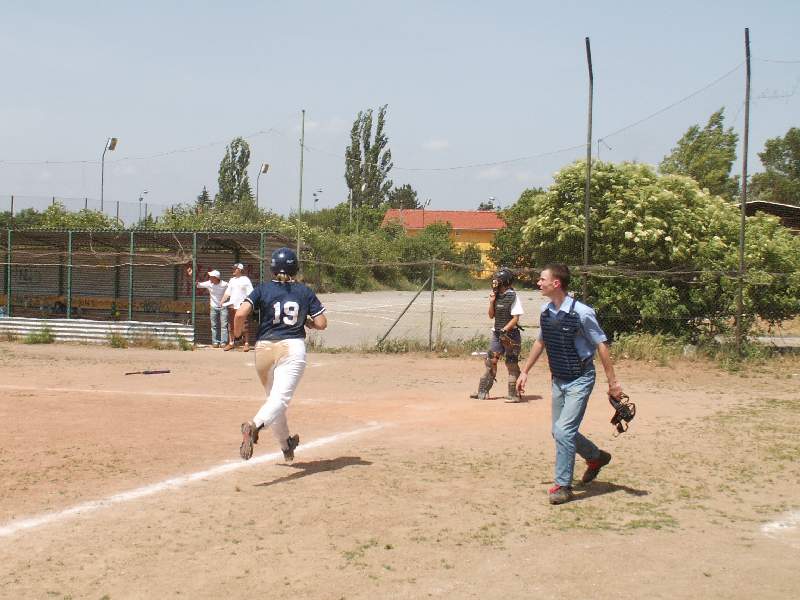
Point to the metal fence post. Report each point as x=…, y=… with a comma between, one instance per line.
x=194, y=279
x=69, y=274
x=8, y=274
x=130, y=280
x=12, y=206
x=433, y=289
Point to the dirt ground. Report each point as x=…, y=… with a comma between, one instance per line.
x=402, y=486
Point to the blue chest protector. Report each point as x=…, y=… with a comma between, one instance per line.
x=559, y=340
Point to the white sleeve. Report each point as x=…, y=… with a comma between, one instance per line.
x=516, y=308
x=204, y=284
x=249, y=287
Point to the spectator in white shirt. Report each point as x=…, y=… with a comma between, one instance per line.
x=218, y=314
x=239, y=288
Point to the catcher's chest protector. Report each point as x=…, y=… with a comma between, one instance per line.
x=502, y=308
x=559, y=340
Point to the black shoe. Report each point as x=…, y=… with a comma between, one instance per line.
x=293, y=442
x=593, y=466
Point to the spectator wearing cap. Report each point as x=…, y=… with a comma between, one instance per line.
x=239, y=288
x=218, y=314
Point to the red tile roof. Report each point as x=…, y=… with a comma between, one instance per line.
x=485, y=220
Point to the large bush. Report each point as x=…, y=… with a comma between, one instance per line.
x=686, y=239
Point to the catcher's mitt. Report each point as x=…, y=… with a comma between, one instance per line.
x=508, y=343
x=624, y=411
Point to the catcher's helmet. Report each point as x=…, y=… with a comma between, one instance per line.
x=284, y=261
x=504, y=277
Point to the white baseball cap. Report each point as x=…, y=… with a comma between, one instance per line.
x=239, y=266
x=214, y=273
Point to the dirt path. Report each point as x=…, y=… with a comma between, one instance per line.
x=437, y=496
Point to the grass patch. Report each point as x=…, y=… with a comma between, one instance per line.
x=116, y=340
x=149, y=341
x=185, y=344
x=45, y=336
x=646, y=346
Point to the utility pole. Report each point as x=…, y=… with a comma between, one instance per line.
x=300, y=198
x=587, y=189
x=740, y=290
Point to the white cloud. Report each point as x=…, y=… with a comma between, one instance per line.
x=332, y=126
x=522, y=176
x=436, y=145
x=491, y=173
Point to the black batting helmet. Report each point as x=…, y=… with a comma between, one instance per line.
x=284, y=261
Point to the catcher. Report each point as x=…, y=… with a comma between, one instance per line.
x=505, y=308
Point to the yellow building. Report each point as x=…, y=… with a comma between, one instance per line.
x=468, y=226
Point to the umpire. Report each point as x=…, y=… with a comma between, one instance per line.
x=571, y=334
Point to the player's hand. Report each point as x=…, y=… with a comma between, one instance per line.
x=521, y=381
x=492, y=296
x=189, y=271
x=614, y=389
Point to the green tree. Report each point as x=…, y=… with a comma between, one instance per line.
x=368, y=160
x=509, y=248
x=234, y=183
x=683, y=237
x=488, y=205
x=781, y=180
x=203, y=202
x=404, y=197
x=706, y=155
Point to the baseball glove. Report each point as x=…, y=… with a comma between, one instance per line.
x=624, y=411
x=506, y=340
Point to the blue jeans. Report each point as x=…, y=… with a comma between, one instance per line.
x=569, y=405
x=223, y=322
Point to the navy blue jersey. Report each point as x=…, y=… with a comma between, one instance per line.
x=284, y=308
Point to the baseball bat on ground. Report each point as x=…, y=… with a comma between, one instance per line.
x=148, y=372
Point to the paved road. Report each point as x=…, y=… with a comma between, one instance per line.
x=355, y=319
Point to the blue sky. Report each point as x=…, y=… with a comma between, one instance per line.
x=467, y=83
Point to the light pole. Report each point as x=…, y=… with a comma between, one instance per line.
x=141, y=197
x=264, y=168
x=111, y=144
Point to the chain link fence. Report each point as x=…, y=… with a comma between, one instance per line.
x=142, y=276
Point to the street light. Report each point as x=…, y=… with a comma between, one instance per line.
x=141, y=197
x=264, y=168
x=111, y=144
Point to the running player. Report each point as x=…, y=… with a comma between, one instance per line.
x=286, y=308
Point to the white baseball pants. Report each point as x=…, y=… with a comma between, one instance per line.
x=280, y=366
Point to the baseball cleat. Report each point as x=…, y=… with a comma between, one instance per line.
x=593, y=466
x=560, y=494
x=480, y=396
x=293, y=442
x=249, y=437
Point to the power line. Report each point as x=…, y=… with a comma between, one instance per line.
x=454, y=168
x=674, y=104
x=270, y=130
x=785, y=62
